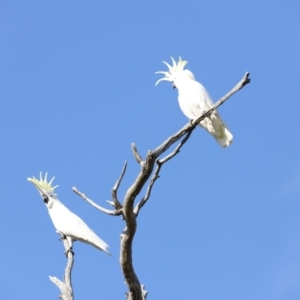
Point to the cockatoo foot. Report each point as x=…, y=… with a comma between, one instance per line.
x=69, y=250
x=63, y=237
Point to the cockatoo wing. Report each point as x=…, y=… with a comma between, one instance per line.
x=194, y=100
x=69, y=224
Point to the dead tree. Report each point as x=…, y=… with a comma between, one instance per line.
x=151, y=165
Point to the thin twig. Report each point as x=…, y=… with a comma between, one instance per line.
x=148, y=192
x=117, y=205
x=136, y=154
x=116, y=212
x=176, y=150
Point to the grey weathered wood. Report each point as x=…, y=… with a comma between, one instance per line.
x=136, y=154
x=114, y=192
x=91, y=202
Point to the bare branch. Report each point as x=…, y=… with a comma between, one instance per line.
x=136, y=154
x=65, y=286
x=156, y=173
x=64, y=292
x=245, y=80
x=104, y=210
x=117, y=205
x=148, y=192
x=68, y=270
x=177, y=149
x=131, y=279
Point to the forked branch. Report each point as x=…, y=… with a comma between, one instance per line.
x=155, y=175
x=114, y=192
x=110, y=212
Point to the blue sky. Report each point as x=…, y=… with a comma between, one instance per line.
x=77, y=87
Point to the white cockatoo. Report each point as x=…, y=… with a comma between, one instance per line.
x=194, y=100
x=69, y=225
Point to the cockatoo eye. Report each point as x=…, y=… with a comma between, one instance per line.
x=46, y=199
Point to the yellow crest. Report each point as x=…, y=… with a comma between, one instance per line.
x=43, y=184
x=173, y=70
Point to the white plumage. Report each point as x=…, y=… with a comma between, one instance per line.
x=66, y=222
x=194, y=100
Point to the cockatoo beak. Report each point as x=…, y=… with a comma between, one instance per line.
x=41, y=191
x=173, y=85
